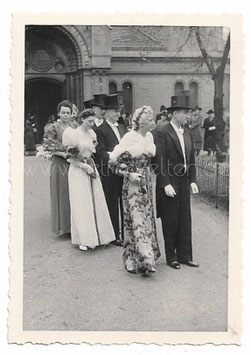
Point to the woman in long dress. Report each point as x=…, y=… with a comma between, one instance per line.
x=132, y=160
x=59, y=194
x=90, y=221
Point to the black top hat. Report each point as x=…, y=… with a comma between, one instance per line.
x=88, y=103
x=179, y=102
x=99, y=100
x=210, y=111
x=111, y=101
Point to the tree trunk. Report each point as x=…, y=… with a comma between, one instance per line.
x=218, y=109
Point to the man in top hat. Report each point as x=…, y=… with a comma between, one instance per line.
x=176, y=175
x=98, y=106
x=109, y=134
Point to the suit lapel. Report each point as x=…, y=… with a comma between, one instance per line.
x=110, y=132
x=175, y=138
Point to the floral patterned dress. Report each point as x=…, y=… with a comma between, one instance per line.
x=141, y=248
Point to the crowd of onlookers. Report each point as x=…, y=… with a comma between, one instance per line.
x=203, y=129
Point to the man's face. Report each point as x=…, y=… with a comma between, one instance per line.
x=112, y=114
x=64, y=114
x=164, y=111
x=181, y=117
x=98, y=111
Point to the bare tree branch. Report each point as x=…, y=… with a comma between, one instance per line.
x=206, y=57
x=225, y=54
x=179, y=49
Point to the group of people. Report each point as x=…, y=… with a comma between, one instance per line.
x=196, y=123
x=101, y=180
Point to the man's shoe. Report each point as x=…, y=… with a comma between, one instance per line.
x=190, y=263
x=118, y=243
x=174, y=265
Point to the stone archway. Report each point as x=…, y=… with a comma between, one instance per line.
x=55, y=57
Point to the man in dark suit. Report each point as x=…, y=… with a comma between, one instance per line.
x=176, y=175
x=109, y=134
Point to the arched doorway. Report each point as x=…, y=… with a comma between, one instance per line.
x=41, y=99
x=53, y=71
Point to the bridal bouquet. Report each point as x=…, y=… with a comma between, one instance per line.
x=125, y=165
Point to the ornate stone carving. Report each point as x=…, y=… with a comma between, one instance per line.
x=41, y=56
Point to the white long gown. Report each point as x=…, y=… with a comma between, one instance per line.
x=90, y=220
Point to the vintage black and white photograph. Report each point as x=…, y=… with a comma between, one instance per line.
x=126, y=178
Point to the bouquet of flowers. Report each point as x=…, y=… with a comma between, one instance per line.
x=49, y=147
x=125, y=166
x=42, y=152
x=74, y=154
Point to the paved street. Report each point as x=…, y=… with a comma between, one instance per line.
x=68, y=289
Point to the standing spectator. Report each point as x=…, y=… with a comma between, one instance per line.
x=122, y=117
x=163, y=111
x=210, y=128
x=33, y=122
x=195, y=128
x=128, y=121
x=169, y=115
x=74, y=116
x=29, y=138
x=227, y=131
x=162, y=121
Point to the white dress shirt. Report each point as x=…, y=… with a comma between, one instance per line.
x=114, y=127
x=98, y=121
x=180, y=134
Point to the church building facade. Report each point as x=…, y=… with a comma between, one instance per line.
x=146, y=65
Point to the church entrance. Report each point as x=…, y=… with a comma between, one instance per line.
x=41, y=99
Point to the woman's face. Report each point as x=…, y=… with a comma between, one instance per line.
x=74, y=115
x=64, y=114
x=146, y=120
x=88, y=122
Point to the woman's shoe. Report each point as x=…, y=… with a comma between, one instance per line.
x=83, y=247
